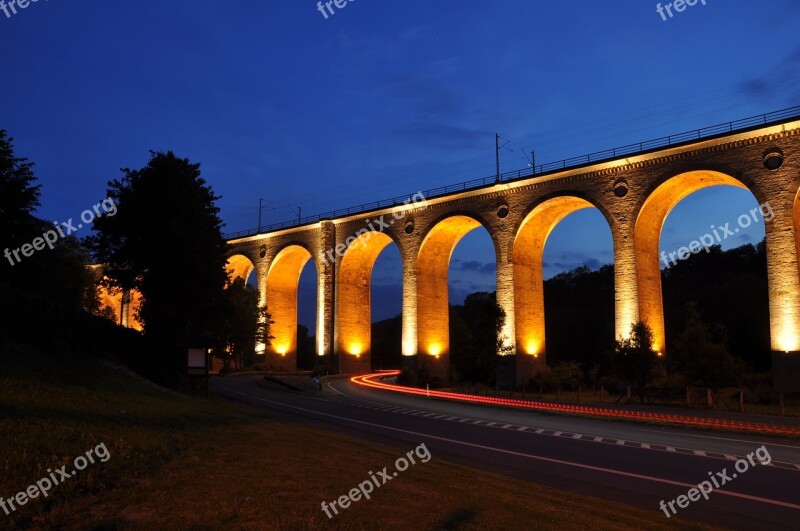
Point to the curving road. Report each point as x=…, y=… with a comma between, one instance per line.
x=636, y=464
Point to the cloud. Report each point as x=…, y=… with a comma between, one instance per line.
x=781, y=85
x=475, y=266
x=444, y=136
x=431, y=105
x=568, y=261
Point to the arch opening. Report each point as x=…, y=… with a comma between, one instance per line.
x=281, y=298
x=433, y=301
x=529, y=272
x=354, y=301
x=788, y=336
x=120, y=307
x=647, y=236
x=240, y=266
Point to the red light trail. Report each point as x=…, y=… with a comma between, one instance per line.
x=371, y=381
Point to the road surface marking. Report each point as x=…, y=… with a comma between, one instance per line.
x=526, y=455
x=360, y=402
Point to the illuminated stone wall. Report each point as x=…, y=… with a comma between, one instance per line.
x=121, y=307
x=635, y=194
x=354, y=322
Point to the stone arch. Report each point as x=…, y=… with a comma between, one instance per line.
x=353, y=306
x=647, y=234
x=433, y=261
x=786, y=320
x=528, y=249
x=118, y=305
x=240, y=266
x=796, y=224
x=281, y=298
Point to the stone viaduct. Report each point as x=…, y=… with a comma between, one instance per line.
x=634, y=188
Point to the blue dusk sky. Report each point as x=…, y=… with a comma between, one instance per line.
x=382, y=99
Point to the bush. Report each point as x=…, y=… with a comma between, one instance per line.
x=421, y=378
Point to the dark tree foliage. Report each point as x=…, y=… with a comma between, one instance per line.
x=306, y=349
x=166, y=241
x=19, y=196
x=42, y=297
x=634, y=359
x=701, y=353
x=474, y=328
x=579, y=315
x=242, y=325
x=387, y=342
x=729, y=289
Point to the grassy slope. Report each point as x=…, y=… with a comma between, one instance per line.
x=178, y=462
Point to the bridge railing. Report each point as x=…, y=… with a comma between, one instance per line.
x=743, y=124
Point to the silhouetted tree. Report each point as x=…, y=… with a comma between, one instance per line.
x=730, y=290
x=580, y=300
x=634, y=358
x=569, y=374
x=242, y=325
x=474, y=329
x=701, y=353
x=43, y=295
x=387, y=343
x=306, y=351
x=166, y=241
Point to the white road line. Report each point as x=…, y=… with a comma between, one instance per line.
x=556, y=434
x=522, y=428
x=765, y=442
x=335, y=390
x=644, y=446
x=528, y=456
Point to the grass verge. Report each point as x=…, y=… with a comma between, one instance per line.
x=182, y=463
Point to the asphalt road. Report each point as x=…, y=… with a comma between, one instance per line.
x=636, y=464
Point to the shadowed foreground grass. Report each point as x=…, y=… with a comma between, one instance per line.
x=181, y=463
